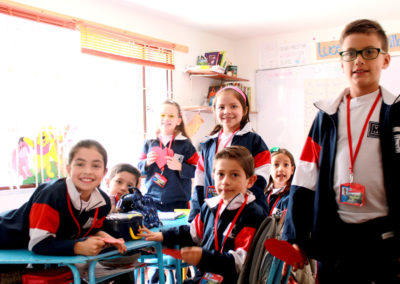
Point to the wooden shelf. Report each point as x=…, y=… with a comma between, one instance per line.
x=206, y=109
x=214, y=75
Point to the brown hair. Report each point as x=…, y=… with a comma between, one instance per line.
x=290, y=156
x=365, y=26
x=244, y=103
x=88, y=144
x=119, y=168
x=181, y=127
x=239, y=154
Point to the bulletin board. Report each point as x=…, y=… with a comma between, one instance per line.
x=285, y=99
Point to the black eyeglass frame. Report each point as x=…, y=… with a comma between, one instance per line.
x=361, y=51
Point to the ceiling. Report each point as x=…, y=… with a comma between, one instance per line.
x=236, y=19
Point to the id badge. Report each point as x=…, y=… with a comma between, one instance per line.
x=159, y=179
x=352, y=194
x=211, y=278
x=211, y=191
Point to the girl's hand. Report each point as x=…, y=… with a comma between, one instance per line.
x=151, y=158
x=121, y=247
x=173, y=164
x=90, y=246
x=151, y=236
x=192, y=255
x=296, y=265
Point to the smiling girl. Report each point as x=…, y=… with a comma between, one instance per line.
x=65, y=216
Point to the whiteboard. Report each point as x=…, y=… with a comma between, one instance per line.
x=285, y=99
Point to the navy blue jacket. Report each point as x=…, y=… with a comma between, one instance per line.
x=203, y=179
x=45, y=224
x=312, y=219
x=179, y=183
x=229, y=262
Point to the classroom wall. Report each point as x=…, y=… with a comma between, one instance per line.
x=251, y=52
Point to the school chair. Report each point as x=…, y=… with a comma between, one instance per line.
x=171, y=264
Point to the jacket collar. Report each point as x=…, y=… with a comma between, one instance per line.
x=330, y=106
x=246, y=129
x=235, y=203
x=95, y=200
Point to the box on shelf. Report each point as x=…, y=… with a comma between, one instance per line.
x=231, y=70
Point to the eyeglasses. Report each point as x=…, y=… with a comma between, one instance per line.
x=366, y=53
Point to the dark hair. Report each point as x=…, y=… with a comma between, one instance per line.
x=365, y=26
x=125, y=168
x=88, y=144
x=244, y=103
x=276, y=151
x=181, y=127
x=239, y=154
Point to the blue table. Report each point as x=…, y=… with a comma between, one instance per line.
x=24, y=256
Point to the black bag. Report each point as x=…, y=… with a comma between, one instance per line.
x=124, y=225
x=145, y=205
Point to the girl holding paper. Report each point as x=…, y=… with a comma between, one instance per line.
x=169, y=160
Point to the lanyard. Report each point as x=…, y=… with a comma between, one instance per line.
x=169, y=147
x=230, y=227
x=276, y=202
x=229, y=139
x=353, y=157
x=76, y=221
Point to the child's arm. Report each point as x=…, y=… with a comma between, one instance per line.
x=90, y=246
x=120, y=244
x=151, y=236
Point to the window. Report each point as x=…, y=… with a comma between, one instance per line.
x=54, y=95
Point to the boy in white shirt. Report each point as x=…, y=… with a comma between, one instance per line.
x=343, y=208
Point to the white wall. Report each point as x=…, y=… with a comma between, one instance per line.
x=248, y=58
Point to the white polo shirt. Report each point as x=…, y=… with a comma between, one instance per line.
x=368, y=169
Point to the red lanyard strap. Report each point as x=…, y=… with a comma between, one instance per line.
x=353, y=157
x=230, y=227
x=276, y=202
x=229, y=139
x=76, y=221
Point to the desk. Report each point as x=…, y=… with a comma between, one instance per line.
x=24, y=256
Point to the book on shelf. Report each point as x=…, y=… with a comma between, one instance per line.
x=212, y=57
x=214, y=68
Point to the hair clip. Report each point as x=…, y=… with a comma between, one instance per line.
x=274, y=149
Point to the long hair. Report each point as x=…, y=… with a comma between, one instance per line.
x=290, y=156
x=181, y=127
x=243, y=102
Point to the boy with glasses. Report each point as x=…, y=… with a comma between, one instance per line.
x=343, y=208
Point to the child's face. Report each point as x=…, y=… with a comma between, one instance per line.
x=282, y=170
x=229, y=111
x=363, y=75
x=119, y=184
x=230, y=179
x=169, y=119
x=86, y=170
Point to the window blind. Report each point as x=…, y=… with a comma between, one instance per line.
x=111, y=44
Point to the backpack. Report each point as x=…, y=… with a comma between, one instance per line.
x=261, y=266
x=145, y=205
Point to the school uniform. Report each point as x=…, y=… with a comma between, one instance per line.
x=277, y=199
x=177, y=189
x=54, y=219
x=228, y=259
x=352, y=243
x=204, y=184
